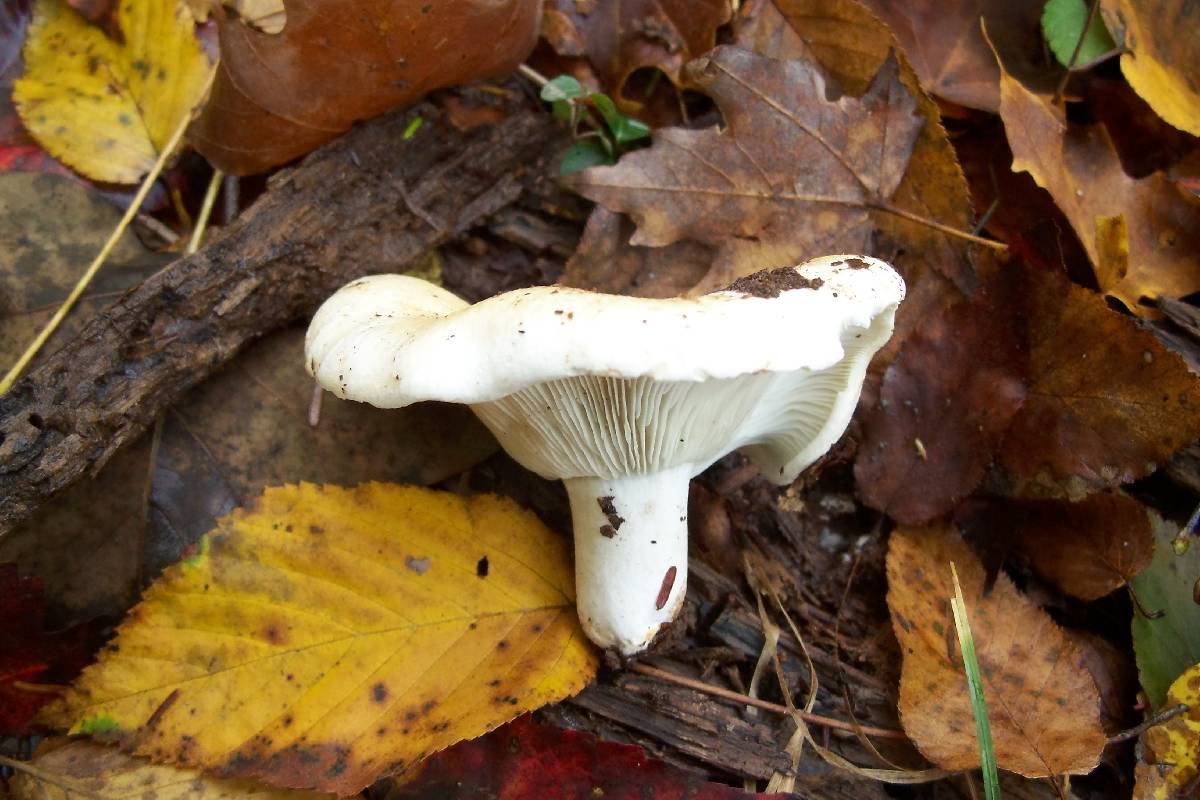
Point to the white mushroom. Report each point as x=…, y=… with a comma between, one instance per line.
x=624, y=399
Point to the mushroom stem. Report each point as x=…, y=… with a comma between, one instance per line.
x=630, y=554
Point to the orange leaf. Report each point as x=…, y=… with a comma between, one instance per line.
x=278, y=96
x=1042, y=702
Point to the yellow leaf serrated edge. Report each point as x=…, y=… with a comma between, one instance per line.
x=328, y=636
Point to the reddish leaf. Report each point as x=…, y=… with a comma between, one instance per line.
x=1086, y=548
x=944, y=407
x=946, y=47
x=1013, y=207
x=28, y=654
x=527, y=761
x=1066, y=396
x=14, y=22
x=30, y=158
x=278, y=96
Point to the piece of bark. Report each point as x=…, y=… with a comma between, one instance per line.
x=690, y=723
x=366, y=203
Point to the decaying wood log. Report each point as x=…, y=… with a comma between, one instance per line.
x=369, y=202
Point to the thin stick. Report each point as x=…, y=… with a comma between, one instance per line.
x=532, y=74
x=210, y=198
x=1087, y=24
x=1157, y=719
x=949, y=230
x=717, y=691
x=47, y=331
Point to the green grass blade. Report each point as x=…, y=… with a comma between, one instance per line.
x=983, y=729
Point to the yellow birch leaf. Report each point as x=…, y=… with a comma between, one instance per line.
x=107, y=108
x=1170, y=767
x=328, y=636
x=82, y=769
x=1162, y=55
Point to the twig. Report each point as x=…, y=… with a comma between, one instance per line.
x=532, y=74
x=949, y=230
x=1157, y=719
x=726, y=694
x=51, y=326
x=1087, y=24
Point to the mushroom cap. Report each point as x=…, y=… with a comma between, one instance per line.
x=576, y=383
x=393, y=340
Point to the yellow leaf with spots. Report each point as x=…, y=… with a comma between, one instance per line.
x=67, y=770
x=1170, y=767
x=329, y=636
x=107, y=108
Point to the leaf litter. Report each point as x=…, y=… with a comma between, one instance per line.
x=1009, y=388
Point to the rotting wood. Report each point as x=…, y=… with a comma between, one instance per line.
x=358, y=206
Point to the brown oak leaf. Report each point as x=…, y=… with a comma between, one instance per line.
x=1042, y=702
x=278, y=96
x=792, y=176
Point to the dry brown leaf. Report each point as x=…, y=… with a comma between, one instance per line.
x=1087, y=548
x=944, y=44
x=1080, y=168
x=792, y=176
x=1107, y=401
x=278, y=96
x=945, y=406
x=1035, y=376
x=1162, y=55
x=851, y=43
x=936, y=266
x=605, y=262
x=71, y=769
x=1042, y=702
x=618, y=37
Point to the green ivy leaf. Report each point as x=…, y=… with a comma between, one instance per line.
x=585, y=153
x=624, y=129
x=563, y=111
x=1062, y=24
x=564, y=87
